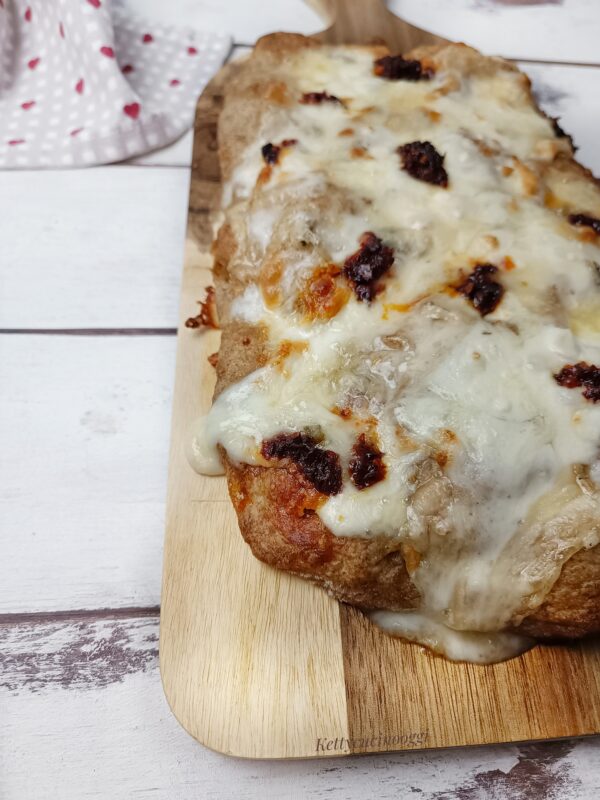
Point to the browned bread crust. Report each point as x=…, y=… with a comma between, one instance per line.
x=276, y=505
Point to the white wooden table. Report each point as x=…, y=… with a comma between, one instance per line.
x=89, y=274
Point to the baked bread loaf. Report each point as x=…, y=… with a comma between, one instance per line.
x=408, y=285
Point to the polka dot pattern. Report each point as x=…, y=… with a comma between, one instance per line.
x=83, y=83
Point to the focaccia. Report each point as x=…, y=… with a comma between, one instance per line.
x=408, y=392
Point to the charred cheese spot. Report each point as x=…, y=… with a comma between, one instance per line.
x=317, y=98
x=560, y=133
x=441, y=458
x=585, y=221
x=401, y=308
x=323, y=294
x=360, y=152
x=433, y=115
x=343, y=411
x=264, y=175
x=272, y=152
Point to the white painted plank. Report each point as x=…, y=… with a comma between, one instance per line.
x=544, y=30
x=245, y=20
x=92, y=248
x=83, y=715
x=554, y=30
x=84, y=426
x=104, y=247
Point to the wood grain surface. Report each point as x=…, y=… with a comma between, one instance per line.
x=259, y=664
x=363, y=21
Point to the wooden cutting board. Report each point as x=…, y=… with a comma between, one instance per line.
x=260, y=664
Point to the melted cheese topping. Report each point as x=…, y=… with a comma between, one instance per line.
x=479, y=440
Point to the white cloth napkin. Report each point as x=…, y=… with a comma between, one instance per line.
x=83, y=83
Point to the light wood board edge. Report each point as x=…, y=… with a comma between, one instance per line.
x=367, y=21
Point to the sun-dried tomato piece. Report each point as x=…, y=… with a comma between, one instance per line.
x=586, y=221
x=366, y=465
x=319, y=466
x=207, y=317
x=213, y=359
x=583, y=374
x=316, y=98
x=422, y=161
x=367, y=265
x=397, y=68
x=481, y=289
x=271, y=152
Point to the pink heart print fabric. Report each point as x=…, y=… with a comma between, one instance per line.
x=82, y=82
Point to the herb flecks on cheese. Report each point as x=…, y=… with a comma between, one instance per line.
x=442, y=350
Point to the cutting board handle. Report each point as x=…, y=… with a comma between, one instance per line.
x=366, y=21
x=331, y=11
